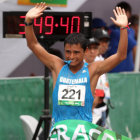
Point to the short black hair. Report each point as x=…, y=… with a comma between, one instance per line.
x=77, y=38
x=134, y=20
x=100, y=34
x=93, y=40
x=126, y=6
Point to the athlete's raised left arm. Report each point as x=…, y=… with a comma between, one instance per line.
x=112, y=61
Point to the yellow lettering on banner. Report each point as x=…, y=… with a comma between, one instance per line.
x=25, y=2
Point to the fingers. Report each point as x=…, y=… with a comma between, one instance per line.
x=41, y=5
x=123, y=11
x=115, y=13
x=37, y=5
x=118, y=11
x=112, y=19
x=121, y=17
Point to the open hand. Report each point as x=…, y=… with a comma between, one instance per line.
x=36, y=11
x=121, y=17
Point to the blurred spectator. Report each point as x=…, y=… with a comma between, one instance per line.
x=128, y=10
x=100, y=112
x=134, y=20
x=100, y=108
x=92, y=50
x=128, y=64
x=126, y=6
x=98, y=23
x=103, y=37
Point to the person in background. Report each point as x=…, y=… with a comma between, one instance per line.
x=98, y=23
x=104, y=38
x=100, y=108
x=103, y=83
x=92, y=50
x=101, y=111
x=128, y=64
x=134, y=20
x=128, y=10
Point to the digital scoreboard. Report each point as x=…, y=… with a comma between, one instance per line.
x=55, y=25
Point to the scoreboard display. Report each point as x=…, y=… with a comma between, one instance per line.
x=50, y=25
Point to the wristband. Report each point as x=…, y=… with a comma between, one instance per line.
x=127, y=26
x=28, y=24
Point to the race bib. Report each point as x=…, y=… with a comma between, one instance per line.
x=71, y=95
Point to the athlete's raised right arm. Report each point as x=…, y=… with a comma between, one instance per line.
x=53, y=62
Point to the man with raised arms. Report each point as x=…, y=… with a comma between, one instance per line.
x=74, y=82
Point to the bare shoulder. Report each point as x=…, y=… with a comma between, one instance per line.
x=94, y=68
x=52, y=62
x=57, y=63
x=56, y=59
x=94, y=74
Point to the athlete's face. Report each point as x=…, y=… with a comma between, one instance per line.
x=75, y=53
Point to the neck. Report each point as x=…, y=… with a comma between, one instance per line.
x=76, y=68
